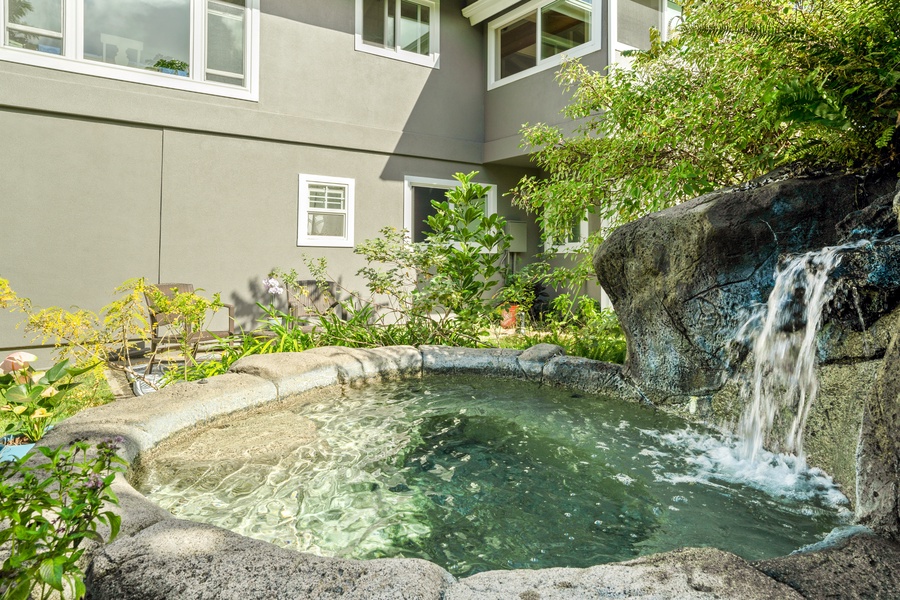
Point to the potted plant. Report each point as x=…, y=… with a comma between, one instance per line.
x=171, y=66
x=31, y=398
x=516, y=296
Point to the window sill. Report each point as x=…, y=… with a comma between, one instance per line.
x=127, y=74
x=324, y=243
x=431, y=61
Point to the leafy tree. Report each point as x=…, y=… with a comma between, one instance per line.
x=744, y=86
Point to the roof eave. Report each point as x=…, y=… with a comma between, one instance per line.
x=485, y=9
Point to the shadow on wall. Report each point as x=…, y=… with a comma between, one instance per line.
x=246, y=308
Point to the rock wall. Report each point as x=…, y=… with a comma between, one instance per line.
x=682, y=282
x=878, y=468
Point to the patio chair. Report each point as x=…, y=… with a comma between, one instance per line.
x=164, y=337
x=316, y=301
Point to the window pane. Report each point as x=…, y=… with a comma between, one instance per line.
x=225, y=41
x=149, y=34
x=35, y=25
x=565, y=24
x=378, y=22
x=332, y=197
x=518, y=46
x=636, y=17
x=329, y=224
x=414, y=27
x=422, y=209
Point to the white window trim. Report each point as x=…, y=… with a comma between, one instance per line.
x=616, y=48
x=431, y=60
x=410, y=182
x=547, y=63
x=303, y=239
x=73, y=61
x=573, y=247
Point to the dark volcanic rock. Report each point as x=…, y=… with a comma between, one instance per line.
x=682, y=280
x=863, y=566
x=878, y=455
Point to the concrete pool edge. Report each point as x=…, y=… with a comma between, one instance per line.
x=159, y=556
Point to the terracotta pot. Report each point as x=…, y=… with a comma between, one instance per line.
x=508, y=319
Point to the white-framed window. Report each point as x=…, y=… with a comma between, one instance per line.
x=206, y=46
x=569, y=241
x=630, y=29
x=536, y=36
x=407, y=30
x=418, y=192
x=325, y=211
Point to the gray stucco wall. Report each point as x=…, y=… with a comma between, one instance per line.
x=537, y=98
x=105, y=180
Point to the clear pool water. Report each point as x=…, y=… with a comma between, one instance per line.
x=478, y=474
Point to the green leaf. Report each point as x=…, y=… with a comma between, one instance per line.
x=20, y=590
x=51, y=572
x=56, y=372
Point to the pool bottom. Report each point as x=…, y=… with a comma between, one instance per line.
x=486, y=474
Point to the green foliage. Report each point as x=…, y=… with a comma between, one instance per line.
x=32, y=397
x=743, y=87
x=188, y=313
x=580, y=327
x=48, y=506
x=121, y=327
x=472, y=246
x=171, y=63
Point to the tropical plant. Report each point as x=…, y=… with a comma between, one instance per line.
x=32, y=397
x=48, y=507
x=472, y=245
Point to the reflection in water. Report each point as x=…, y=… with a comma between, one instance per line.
x=486, y=474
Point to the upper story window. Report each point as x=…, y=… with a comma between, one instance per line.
x=407, y=30
x=635, y=18
x=326, y=211
x=537, y=35
x=207, y=46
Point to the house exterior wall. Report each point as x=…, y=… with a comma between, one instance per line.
x=537, y=98
x=108, y=180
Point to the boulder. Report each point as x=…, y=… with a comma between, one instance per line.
x=878, y=455
x=687, y=574
x=859, y=566
x=682, y=280
x=180, y=560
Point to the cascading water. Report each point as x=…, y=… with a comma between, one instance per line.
x=782, y=335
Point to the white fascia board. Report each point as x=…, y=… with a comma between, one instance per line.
x=485, y=9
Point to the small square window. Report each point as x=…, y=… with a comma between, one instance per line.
x=403, y=29
x=325, y=211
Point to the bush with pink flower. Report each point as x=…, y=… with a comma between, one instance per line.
x=31, y=397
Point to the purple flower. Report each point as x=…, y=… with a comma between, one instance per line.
x=273, y=286
x=95, y=482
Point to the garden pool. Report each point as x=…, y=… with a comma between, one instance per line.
x=477, y=474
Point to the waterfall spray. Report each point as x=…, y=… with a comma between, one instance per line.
x=782, y=334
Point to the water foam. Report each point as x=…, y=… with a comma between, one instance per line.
x=713, y=461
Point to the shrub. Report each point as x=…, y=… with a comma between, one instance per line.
x=47, y=509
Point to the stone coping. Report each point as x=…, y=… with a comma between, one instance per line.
x=157, y=556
